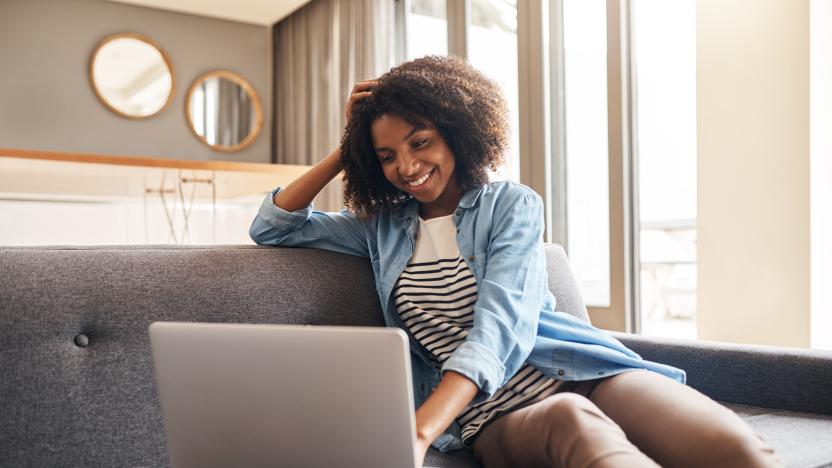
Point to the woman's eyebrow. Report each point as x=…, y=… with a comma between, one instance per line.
x=413, y=130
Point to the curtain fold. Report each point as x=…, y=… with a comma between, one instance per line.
x=321, y=51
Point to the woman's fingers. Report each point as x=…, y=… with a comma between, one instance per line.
x=365, y=82
x=360, y=91
x=364, y=86
x=353, y=99
x=360, y=95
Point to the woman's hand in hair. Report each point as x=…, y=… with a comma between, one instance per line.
x=301, y=191
x=361, y=90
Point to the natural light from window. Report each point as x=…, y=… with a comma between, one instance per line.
x=587, y=153
x=664, y=48
x=492, y=49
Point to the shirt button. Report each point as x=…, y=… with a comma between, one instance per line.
x=458, y=213
x=471, y=258
x=409, y=219
x=457, y=231
x=560, y=372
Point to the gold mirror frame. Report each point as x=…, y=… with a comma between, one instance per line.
x=258, y=110
x=153, y=44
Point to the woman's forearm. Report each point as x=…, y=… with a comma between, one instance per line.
x=300, y=193
x=450, y=397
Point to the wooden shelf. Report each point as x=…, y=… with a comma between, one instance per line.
x=50, y=175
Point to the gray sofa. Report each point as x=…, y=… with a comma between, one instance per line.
x=77, y=385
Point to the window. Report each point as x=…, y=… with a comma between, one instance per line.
x=641, y=141
x=623, y=136
x=664, y=120
x=587, y=148
x=492, y=49
x=427, y=28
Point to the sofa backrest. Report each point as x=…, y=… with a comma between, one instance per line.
x=77, y=381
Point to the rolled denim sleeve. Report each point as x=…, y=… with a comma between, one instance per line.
x=339, y=231
x=509, y=298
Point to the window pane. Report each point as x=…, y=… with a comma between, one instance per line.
x=820, y=185
x=587, y=153
x=492, y=49
x=664, y=48
x=427, y=28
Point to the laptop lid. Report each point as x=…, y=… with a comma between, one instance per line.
x=284, y=395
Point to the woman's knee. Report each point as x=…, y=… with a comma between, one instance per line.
x=579, y=434
x=542, y=434
x=566, y=404
x=574, y=413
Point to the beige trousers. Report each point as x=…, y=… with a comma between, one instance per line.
x=634, y=419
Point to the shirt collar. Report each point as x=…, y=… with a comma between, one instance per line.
x=468, y=200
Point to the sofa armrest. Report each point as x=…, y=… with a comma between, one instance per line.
x=793, y=379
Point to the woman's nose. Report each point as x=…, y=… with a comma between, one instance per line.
x=409, y=165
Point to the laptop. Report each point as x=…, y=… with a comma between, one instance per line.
x=236, y=395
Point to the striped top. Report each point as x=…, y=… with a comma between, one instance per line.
x=435, y=297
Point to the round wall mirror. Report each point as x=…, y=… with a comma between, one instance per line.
x=132, y=76
x=223, y=111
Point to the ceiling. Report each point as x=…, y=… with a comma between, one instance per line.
x=262, y=12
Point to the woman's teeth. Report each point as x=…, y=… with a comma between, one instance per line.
x=421, y=180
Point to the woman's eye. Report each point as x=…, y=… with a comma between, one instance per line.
x=386, y=158
x=420, y=143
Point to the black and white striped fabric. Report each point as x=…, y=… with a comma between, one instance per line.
x=435, y=297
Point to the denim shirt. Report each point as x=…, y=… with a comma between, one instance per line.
x=499, y=234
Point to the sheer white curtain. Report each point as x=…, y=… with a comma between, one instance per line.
x=321, y=51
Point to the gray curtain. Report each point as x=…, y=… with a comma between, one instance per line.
x=321, y=51
x=233, y=117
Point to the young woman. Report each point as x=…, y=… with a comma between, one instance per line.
x=459, y=265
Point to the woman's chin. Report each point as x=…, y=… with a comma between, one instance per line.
x=430, y=193
x=424, y=197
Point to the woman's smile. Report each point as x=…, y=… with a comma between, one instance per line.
x=419, y=184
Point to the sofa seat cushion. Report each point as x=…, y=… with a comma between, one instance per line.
x=801, y=440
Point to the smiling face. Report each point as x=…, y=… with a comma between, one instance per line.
x=416, y=160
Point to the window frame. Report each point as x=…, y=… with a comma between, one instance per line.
x=622, y=313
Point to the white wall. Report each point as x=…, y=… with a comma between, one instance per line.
x=753, y=188
x=821, y=166
x=125, y=222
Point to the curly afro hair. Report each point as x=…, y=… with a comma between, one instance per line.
x=468, y=110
